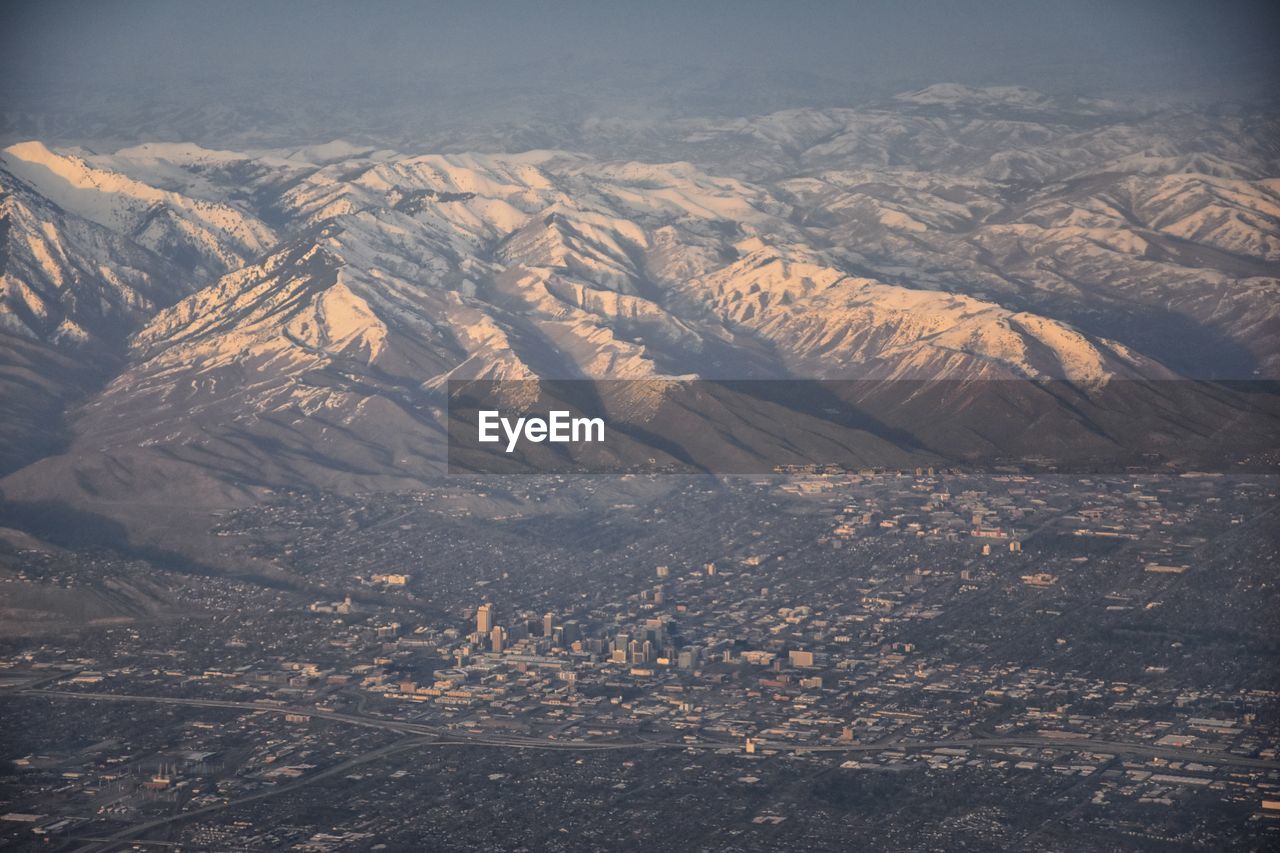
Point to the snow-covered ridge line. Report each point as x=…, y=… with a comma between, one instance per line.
x=921, y=242
x=221, y=236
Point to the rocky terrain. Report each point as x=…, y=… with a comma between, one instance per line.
x=183, y=325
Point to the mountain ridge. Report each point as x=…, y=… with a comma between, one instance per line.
x=318, y=355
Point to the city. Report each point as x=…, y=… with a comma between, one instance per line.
x=727, y=427
x=1096, y=649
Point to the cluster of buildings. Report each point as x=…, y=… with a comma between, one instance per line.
x=880, y=623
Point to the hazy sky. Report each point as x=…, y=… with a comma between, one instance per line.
x=712, y=53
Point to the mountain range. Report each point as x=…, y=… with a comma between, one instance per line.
x=188, y=326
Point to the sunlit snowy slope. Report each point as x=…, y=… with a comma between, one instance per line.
x=291, y=316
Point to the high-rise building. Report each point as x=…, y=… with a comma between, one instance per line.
x=548, y=624
x=689, y=657
x=484, y=618
x=800, y=657
x=496, y=637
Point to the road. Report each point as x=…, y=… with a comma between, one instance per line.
x=134, y=834
x=418, y=736
x=459, y=737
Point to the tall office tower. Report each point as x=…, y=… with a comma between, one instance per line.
x=496, y=638
x=484, y=618
x=800, y=657
x=548, y=624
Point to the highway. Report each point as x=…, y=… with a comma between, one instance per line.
x=134, y=834
x=460, y=737
x=417, y=736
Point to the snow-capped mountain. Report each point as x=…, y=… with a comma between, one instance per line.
x=206, y=237
x=71, y=291
x=949, y=236
x=70, y=282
